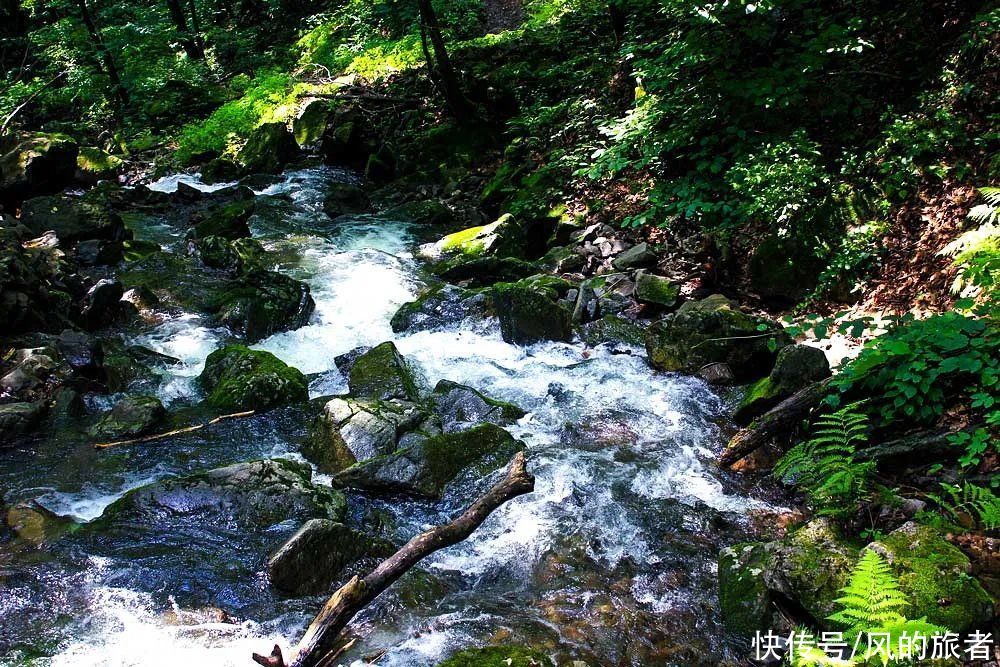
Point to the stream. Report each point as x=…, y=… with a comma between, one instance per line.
x=610, y=561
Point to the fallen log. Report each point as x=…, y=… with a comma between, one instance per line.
x=780, y=419
x=319, y=644
x=178, y=431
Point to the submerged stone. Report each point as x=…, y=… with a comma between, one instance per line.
x=498, y=656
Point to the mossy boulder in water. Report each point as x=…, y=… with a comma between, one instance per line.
x=310, y=122
x=498, y=656
x=131, y=416
x=529, y=313
x=350, y=430
x=268, y=149
x=342, y=198
x=262, y=303
x=73, y=219
x=427, y=465
x=383, y=373
x=711, y=331
x=460, y=406
x=313, y=558
x=228, y=220
x=795, y=367
x=936, y=577
x=612, y=329
x=502, y=238
x=219, y=170
x=255, y=493
x=483, y=271
x=439, y=306
x=238, y=378
x=35, y=164
x=238, y=256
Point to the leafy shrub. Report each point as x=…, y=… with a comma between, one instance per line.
x=825, y=466
x=969, y=505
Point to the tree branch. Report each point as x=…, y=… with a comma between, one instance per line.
x=321, y=637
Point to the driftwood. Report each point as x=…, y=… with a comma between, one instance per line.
x=319, y=644
x=179, y=431
x=779, y=419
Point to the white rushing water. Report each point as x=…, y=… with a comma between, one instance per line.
x=360, y=271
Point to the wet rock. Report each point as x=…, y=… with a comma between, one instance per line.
x=637, y=257
x=612, y=329
x=269, y=148
x=426, y=465
x=717, y=373
x=383, y=373
x=498, y=656
x=262, y=303
x=82, y=352
x=935, y=575
x=101, y=304
x=460, y=406
x=35, y=164
x=604, y=430
x=425, y=212
x=256, y=493
x=344, y=198
x=440, y=306
x=228, y=220
x=501, y=238
x=37, y=525
x=342, y=142
x=27, y=380
x=95, y=252
x=351, y=430
x=73, y=219
x=314, y=557
x=529, y=313
x=310, y=123
x=795, y=367
x=483, y=271
x=18, y=419
x=710, y=331
x=655, y=290
x=219, y=170
x=588, y=305
x=238, y=378
x=131, y=416
x=94, y=164
x=141, y=297
x=239, y=256
x=381, y=165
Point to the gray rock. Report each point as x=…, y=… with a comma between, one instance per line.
x=655, y=290
x=17, y=419
x=460, y=406
x=637, y=257
x=130, y=417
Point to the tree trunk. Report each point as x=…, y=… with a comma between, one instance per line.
x=446, y=76
x=109, y=63
x=188, y=40
x=196, y=27
x=321, y=638
x=779, y=420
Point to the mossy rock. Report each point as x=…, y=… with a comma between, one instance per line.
x=73, y=219
x=261, y=303
x=268, y=149
x=795, y=367
x=228, y=221
x=381, y=165
x=703, y=334
x=439, y=306
x=37, y=525
x=936, y=577
x=219, y=170
x=310, y=123
x=458, y=404
x=425, y=212
x=238, y=378
x=35, y=164
x=503, y=237
x=483, y=271
x=744, y=600
x=383, y=373
x=238, y=256
x=427, y=466
x=612, y=329
x=655, y=290
x=131, y=416
x=498, y=656
x=529, y=313
x=342, y=198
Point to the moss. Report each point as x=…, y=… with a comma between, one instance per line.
x=227, y=221
x=656, y=290
x=238, y=378
x=498, y=656
x=448, y=454
x=612, y=329
x=744, y=600
x=467, y=241
x=529, y=314
x=381, y=372
x=97, y=164
x=934, y=574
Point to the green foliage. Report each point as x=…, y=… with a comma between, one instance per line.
x=921, y=367
x=825, y=465
x=873, y=604
x=969, y=505
x=976, y=253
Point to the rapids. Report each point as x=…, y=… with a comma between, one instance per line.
x=611, y=560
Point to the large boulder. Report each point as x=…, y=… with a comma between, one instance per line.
x=383, y=373
x=236, y=257
x=238, y=378
x=438, y=307
x=502, y=238
x=255, y=493
x=18, y=419
x=637, y=257
x=310, y=123
x=73, y=219
x=795, y=367
x=483, y=271
x=349, y=430
x=38, y=290
x=35, y=164
x=262, y=303
x=460, y=407
x=314, y=557
x=936, y=577
x=705, y=332
x=228, y=220
x=428, y=464
x=131, y=416
x=342, y=198
x=94, y=164
x=268, y=149
x=529, y=312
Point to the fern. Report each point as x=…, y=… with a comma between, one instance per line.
x=873, y=604
x=978, y=503
x=988, y=213
x=825, y=466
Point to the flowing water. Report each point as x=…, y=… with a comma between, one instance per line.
x=611, y=560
